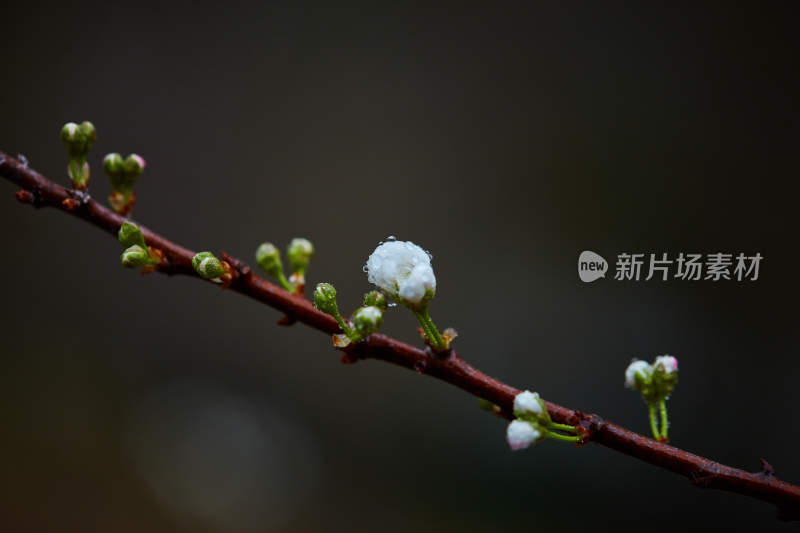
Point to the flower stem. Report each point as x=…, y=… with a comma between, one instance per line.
x=651, y=411
x=435, y=338
x=564, y=438
x=284, y=282
x=562, y=427
x=662, y=407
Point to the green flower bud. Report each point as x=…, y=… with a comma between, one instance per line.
x=134, y=165
x=129, y=235
x=325, y=299
x=208, y=266
x=78, y=139
x=376, y=298
x=135, y=256
x=268, y=257
x=89, y=133
x=123, y=173
x=113, y=164
x=665, y=375
x=367, y=320
x=299, y=255
x=70, y=134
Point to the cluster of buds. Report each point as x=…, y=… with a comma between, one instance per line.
x=365, y=321
x=655, y=382
x=215, y=270
x=78, y=139
x=403, y=270
x=299, y=254
x=123, y=174
x=532, y=423
x=137, y=253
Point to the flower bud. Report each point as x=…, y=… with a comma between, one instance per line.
x=134, y=165
x=376, y=298
x=69, y=133
x=367, y=320
x=135, y=256
x=637, y=375
x=268, y=257
x=123, y=173
x=665, y=375
x=666, y=363
x=89, y=133
x=78, y=139
x=404, y=270
x=129, y=235
x=208, y=267
x=113, y=164
x=299, y=254
x=325, y=299
x=527, y=402
x=521, y=434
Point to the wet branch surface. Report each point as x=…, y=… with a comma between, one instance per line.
x=38, y=191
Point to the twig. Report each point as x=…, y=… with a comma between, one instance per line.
x=763, y=485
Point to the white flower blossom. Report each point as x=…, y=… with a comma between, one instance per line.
x=527, y=402
x=521, y=434
x=636, y=367
x=402, y=269
x=667, y=362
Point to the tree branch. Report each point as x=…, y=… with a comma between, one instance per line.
x=704, y=473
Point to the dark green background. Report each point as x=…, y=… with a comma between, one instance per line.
x=505, y=141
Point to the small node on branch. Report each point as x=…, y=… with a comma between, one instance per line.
x=24, y=197
x=70, y=204
x=655, y=382
x=78, y=139
x=123, y=174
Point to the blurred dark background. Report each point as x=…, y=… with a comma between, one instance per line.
x=505, y=141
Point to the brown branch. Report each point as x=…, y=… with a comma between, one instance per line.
x=763, y=485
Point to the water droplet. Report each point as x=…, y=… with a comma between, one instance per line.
x=364, y=268
x=392, y=304
x=391, y=238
